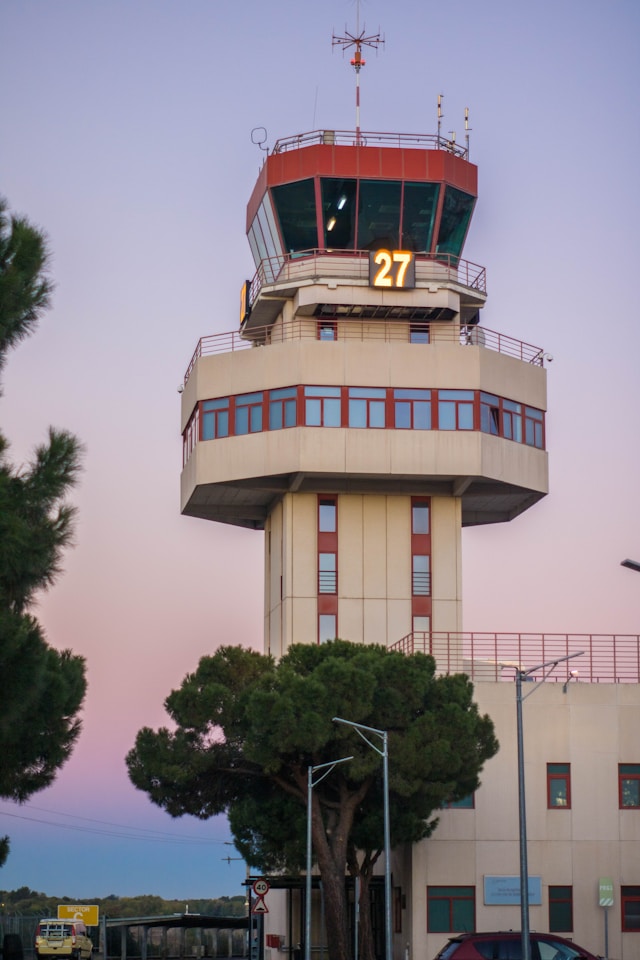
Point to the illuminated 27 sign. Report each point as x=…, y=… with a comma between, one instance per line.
x=392, y=269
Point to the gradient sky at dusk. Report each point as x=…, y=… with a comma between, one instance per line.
x=126, y=135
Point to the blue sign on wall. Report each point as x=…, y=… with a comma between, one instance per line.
x=506, y=890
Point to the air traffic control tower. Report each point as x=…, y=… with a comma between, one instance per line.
x=361, y=414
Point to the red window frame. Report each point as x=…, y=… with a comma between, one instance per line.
x=626, y=774
x=327, y=542
x=421, y=546
x=629, y=895
x=553, y=776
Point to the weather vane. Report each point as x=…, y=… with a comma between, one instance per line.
x=359, y=39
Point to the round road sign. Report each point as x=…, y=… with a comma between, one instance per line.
x=260, y=887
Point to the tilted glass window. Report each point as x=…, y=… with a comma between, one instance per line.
x=456, y=214
x=338, y=213
x=379, y=214
x=295, y=205
x=512, y=420
x=418, y=215
x=490, y=414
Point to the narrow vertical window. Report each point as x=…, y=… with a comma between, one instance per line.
x=629, y=786
x=560, y=909
x=630, y=905
x=421, y=575
x=558, y=786
x=421, y=567
x=327, y=572
x=326, y=627
x=327, y=538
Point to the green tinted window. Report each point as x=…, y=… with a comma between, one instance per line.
x=418, y=215
x=296, y=208
x=338, y=213
x=379, y=214
x=456, y=214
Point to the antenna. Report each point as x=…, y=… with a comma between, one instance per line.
x=467, y=129
x=259, y=136
x=359, y=39
x=440, y=115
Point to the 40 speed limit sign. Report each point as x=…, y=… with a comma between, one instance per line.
x=260, y=887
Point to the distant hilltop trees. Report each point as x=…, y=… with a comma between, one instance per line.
x=29, y=902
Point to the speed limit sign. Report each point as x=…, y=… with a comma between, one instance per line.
x=260, y=887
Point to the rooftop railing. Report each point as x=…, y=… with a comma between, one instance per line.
x=607, y=658
x=400, y=330
x=349, y=138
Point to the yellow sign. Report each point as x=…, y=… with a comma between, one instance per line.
x=393, y=269
x=86, y=912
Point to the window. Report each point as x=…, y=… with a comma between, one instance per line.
x=322, y=407
x=412, y=409
x=326, y=627
x=450, y=909
x=629, y=786
x=419, y=516
x=421, y=624
x=512, y=420
x=456, y=214
x=419, y=333
x=560, y=909
x=327, y=330
x=465, y=803
x=455, y=409
x=379, y=214
x=327, y=515
x=295, y=204
x=558, y=786
x=420, y=575
x=630, y=903
x=338, y=212
x=418, y=215
x=489, y=414
x=533, y=421
x=215, y=418
x=282, y=408
x=366, y=406
x=249, y=413
x=327, y=573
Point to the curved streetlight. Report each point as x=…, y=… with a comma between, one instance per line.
x=631, y=565
x=311, y=783
x=522, y=812
x=384, y=753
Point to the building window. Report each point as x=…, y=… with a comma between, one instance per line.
x=512, y=420
x=398, y=901
x=558, y=786
x=327, y=515
x=327, y=573
x=367, y=406
x=465, y=803
x=420, y=516
x=420, y=575
x=215, y=418
x=419, y=333
x=327, y=626
x=455, y=409
x=490, y=414
x=630, y=903
x=629, y=786
x=421, y=624
x=282, y=408
x=533, y=421
x=249, y=413
x=412, y=409
x=322, y=407
x=451, y=909
x=327, y=330
x=560, y=909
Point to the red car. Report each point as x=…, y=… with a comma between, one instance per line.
x=507, y=945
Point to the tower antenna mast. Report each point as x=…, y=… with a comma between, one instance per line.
x=359, y=39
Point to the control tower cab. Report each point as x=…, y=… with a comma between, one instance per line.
x=361, y=415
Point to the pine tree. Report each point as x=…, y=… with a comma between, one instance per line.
x=41, y=689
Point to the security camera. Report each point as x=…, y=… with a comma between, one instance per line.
x=548, y=357
x=181, y=388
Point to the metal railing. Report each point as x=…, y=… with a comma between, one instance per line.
x=386, y=331
x=349, y=138
x=353, y=265
x=607, y=658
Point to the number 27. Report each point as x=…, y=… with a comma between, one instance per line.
x=386, y=276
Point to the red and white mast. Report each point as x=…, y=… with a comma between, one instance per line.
x=359, y=39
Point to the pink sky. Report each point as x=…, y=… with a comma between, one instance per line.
x=126, y=135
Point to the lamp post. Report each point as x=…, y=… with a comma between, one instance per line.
x=631, y=565
x=310, y=785
x=522, y=812
x=384, y=753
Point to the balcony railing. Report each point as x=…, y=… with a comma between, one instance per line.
x=607, y=658
x=387, y=331
x=353, y=265
x=349, y=138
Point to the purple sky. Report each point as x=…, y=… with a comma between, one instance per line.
x=126, y=135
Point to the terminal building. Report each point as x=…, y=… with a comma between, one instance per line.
x=360, y=416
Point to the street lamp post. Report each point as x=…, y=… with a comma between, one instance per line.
x=384, y=753
x=522, y=812
x=310, y=785
x=631, y=565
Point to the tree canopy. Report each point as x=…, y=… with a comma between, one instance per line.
x=41, y=689
x=247, y=728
